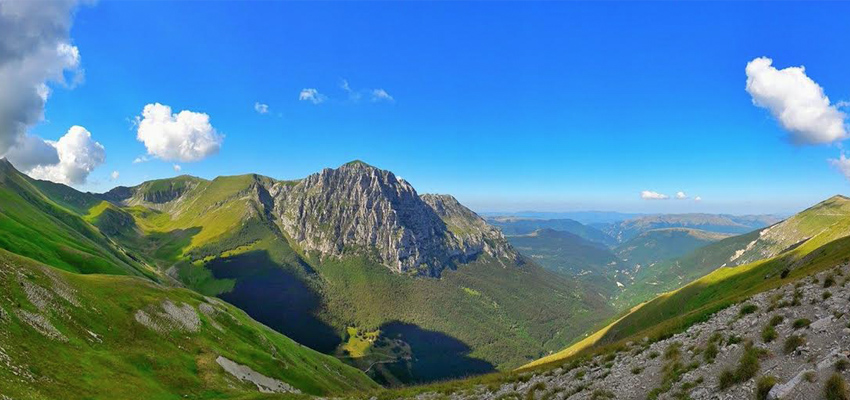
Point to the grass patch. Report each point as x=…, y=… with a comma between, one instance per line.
x=792, y=343
x=747, y=309
x=763, y=386
x=748, y=367
x=801, y=323
x=836, y=388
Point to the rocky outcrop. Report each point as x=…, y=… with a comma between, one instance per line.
x=691, y=364
x=361, y=209
x=245, y=374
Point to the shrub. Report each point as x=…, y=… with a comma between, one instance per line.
x=841, y=365
x=716, y=337
x=810, y=376
x=784, y=273
x=748, y=309
x=748, y=367
x=763, y=387
x=710, y=352
x=673, y=351
x=792, y=343
x=533, y=389
x=836, y=388
x=768, y=334
x=726, y=379
x=653, y=354
x=733, y=339
x=829, y=281
x=600, y=394
x=776, y=320
x=801, y=323
x=827, y=294
x=636, y=370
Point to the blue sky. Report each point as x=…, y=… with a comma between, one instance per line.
x=509, y=106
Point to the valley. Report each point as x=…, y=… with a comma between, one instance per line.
x=386, y=285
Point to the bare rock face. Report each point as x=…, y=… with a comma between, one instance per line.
x=359, y=209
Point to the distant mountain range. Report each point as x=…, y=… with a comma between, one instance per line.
x=584, y=217
x=733, y=269
x=720, y=223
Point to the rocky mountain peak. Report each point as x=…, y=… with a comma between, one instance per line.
x=358, y=208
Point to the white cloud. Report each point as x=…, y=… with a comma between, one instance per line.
x=353, y=95
x=650, y=195
x=35, y=52
x=797, y=101
x=697, y=198
x=32, y=151
x=681, y=195
x=141, y=159
x=311, y=95
x=177, y=168
x=78, y=155
x=842, y=164
x=114, y=175
x=381, y=95
x=261, y=108
x=186, y=136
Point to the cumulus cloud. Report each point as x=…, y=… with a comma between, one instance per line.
x=311, y=95
x=141, y=159
x=114, y=175
x=650, y=195
x=35, y=50
x=796, y=101
x=697, y=198
x=681, y=195
x=78, y=155
x=35, y=53
x=177, y=168
x=261, y=108
x=185, y=136
x=32, y=151
x=381, y=95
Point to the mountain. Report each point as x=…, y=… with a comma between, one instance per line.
x=72, y=336
x=817, y=225
x=350, y=262
x=807, y=243
x=571, y=256
x=664, y=244
x=523, y=226
x=361, y=207
x=718, y=223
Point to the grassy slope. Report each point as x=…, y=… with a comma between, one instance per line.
x=821, y=223
x=33, y=225
x=727, y=285
x=664, y=244
x=110, y=355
